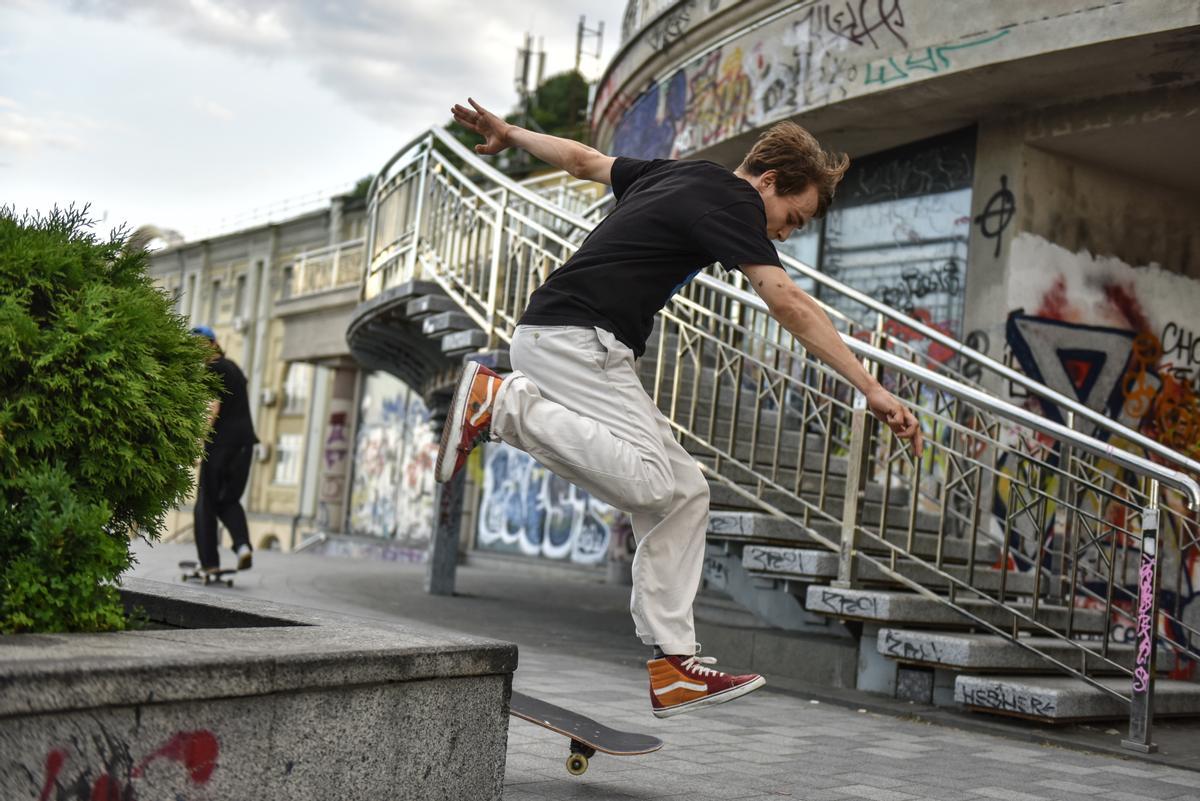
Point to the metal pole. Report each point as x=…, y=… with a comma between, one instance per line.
x=1141, y=708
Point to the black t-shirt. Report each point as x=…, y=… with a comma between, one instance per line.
x=233, y=427
x=672, y=218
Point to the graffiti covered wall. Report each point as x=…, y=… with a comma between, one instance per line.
x=393, y=489
x=528, y=510
x=820, y=54
x=1125, y=342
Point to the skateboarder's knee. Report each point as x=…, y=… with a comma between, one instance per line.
x=655, y=494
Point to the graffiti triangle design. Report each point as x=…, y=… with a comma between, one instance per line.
x=1081, y=361
x=1083, y=367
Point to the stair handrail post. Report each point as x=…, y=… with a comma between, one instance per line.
x=1141, y=708
x=860, y=445
x=410, y=260
x=497, y=261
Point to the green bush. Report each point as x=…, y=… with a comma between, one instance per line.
x=102, y=416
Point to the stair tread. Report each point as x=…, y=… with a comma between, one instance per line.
x=1067, y=697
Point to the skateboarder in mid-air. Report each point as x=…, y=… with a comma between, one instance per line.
x=574, y=401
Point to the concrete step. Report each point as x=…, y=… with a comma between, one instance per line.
x=419, y=308
x=981, y=652
x=811, y=483
x=763, y=451
x=1066, y=698
x=821, y=566
x=461, y=342
x=902, y=608
x=725, y=498
x=747, y=526
x=410, y=290
x=446, y=322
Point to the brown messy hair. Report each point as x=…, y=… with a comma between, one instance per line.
x=798, y=160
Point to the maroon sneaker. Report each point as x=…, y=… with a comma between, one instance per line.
x=470, y=418
x=681, y=684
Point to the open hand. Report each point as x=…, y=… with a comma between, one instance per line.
x=483, y=122
x=896, y=415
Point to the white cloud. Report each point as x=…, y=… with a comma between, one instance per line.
x=29, y=132
x=393, y=61
x=212, y=108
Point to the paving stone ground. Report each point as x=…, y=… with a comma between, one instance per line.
x=768, y=745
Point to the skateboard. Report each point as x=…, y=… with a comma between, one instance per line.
x=194, y=573
x=587, y=736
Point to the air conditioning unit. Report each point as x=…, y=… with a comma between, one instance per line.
x=268, y=397
x=262, y=451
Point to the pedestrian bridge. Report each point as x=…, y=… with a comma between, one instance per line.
x=1021, y=566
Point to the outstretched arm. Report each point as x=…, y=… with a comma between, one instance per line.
x=806, y=320
x=577, y=159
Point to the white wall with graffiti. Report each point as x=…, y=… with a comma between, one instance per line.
x=1125, y=341
x=394, y=451
x=525, y=509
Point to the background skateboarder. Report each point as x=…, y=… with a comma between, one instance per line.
x=574, y=401
x=226, y=464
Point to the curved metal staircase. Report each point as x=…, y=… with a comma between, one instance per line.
x=998, y=566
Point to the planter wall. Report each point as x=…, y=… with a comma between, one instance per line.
x=252, y=700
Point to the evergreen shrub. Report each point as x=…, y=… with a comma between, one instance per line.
x=102, y=416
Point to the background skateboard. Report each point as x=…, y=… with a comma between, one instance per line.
x=194, y=573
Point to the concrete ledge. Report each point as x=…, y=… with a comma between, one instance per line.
x=298, y=705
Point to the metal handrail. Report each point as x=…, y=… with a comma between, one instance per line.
x=998, y=406
x=964, y=351
x=1013, y=412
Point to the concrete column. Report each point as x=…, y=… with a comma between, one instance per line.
x=443, y=546
x=335, y=451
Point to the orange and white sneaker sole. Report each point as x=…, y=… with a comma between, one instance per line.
x=453, y=429
x=711, y=700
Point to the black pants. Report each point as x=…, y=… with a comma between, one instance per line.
x=223, y=475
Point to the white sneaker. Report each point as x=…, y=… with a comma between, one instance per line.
x=245, y=557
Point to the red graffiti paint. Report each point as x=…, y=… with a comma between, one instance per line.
x=195, y=750
x=1054, y=302
x=1124, y=301
x=106, y=788
x=54, y=764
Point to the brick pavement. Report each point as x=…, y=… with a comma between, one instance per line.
x=771, y=745
x=577, y=650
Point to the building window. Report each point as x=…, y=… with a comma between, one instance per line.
x=214, y=303
x=239, y=297
x=899, y=229
x=287, y=459
x=295, y=388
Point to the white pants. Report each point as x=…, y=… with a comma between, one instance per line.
x=574, y=403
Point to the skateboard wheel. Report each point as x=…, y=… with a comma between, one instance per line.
x=577, y=764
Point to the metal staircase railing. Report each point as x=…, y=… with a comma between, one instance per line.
x=1094, y=524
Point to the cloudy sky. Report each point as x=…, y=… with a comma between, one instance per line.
x=196, y=115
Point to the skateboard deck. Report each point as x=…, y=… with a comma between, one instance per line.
x=194, y=573
x=587, y=736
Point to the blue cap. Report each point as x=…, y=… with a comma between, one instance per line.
x=206, y=332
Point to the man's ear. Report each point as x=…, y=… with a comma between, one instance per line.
x=767, y=179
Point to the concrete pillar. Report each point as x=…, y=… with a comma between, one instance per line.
x=442, y=564
x=335, y=451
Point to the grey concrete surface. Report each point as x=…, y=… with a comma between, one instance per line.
x=577, y=648
x=303, y=704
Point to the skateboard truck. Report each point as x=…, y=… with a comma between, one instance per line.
x=577, y=762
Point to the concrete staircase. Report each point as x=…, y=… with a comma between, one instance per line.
x=774, y=573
